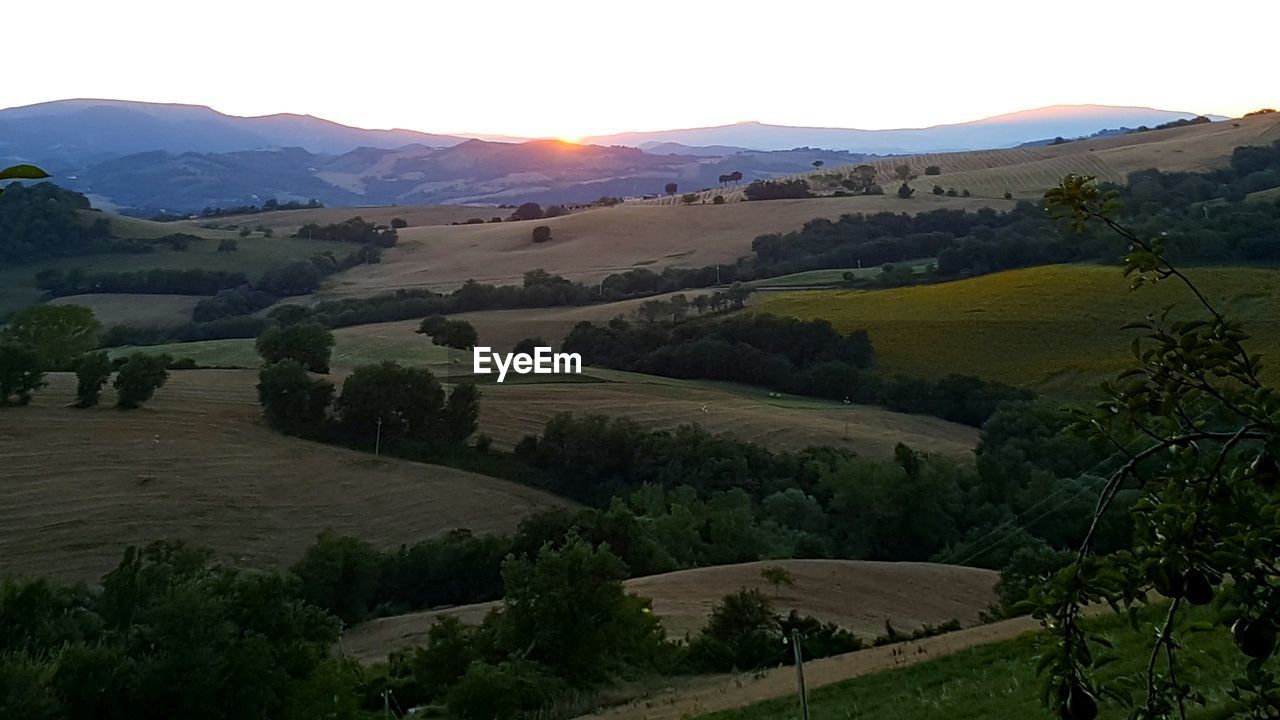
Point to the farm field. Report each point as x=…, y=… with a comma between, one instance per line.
x=254, y=256
x=978, y=673
x=855, y=594
x=1056, y=329
x=1028, y=172
x=810, y=278
x=511, y=411
x=135, y=309
x=288, y=221
x=197, y=464
x=592, y=244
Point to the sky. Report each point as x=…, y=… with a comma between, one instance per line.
x=564, y=68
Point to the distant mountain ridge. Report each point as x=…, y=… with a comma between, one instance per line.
x=182, y=158
x=71, y=133
x=1000, y=131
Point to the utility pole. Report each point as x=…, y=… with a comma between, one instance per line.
x=804, y=696
x=377, y=442
x=386, y=703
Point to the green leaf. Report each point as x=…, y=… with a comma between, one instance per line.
x=23, y=172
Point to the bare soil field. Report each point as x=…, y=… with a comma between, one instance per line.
x=196, y=464
x=510, y=411
x=144, y=310
x=857, y=595
x=592, y=244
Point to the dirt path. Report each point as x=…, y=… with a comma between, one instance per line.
x=723, y=692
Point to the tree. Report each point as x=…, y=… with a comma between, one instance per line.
x=671, y=188
x=58, y=333
x=292, y=402
x=1195, y=428
x=778, y=577
x=742, y=633
x=228, y=246
x=937, y=190
x=566, y=609
x=139, y=378
x=20, y=372
x=541, y=233
x=528, y=211
x=689, y=198
x=817, y=165
x=903, y=172
x=457, y=334
x=717, y=200
x=905, y=191
x=399, y=223
x=462, y=412
x=245, y=231
x=310, y=344
x=407, y=401
x=339, y=574
x=92, y=372
x=933, y=170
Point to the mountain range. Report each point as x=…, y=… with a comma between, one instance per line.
x=179, y=158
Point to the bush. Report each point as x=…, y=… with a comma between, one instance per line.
x=92, y=372
x=462, y=412
x=502, y=691
x=399, y=223
x=541, y=234
x=291, y=401
x=528, y=211
x=20, y=372
x=310, y=344
x=338, y=574
x=742, y=634
x=905, y=191
x=717, y=200
x=139, y=378
x=933, y=170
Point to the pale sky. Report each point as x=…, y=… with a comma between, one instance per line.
x=567, y=68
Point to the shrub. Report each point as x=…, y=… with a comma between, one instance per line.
x=933, y=170
x=717, y=200
x=399, y=223
x=92, y=372
x=499, y=692
x=139, y=378
x=310, y=344
x=541, y=234
x=20, y=372
x=291, y=401
x=905, y=191
x=528, y=211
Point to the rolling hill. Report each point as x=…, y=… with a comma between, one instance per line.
x=855, y=594
x=197, y=464
x=1056, y=329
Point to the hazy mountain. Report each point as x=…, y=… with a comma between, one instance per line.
x=474, y=171
x=72, y=133
x=994, y=132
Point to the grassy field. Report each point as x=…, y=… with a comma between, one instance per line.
x=1056, y=329
x=135, y=309
x=999, y=680
x=197, y=464
x=515, y=409
x=811, y=278
x=1028, y=172
x=855, y=594
x=255, y=256
x=288, y=221
x=591, y=244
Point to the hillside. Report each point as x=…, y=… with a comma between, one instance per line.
x=1028, y=171
x=197, y=464
x=592, y=244
x=1056, y=329
x=858, y=595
